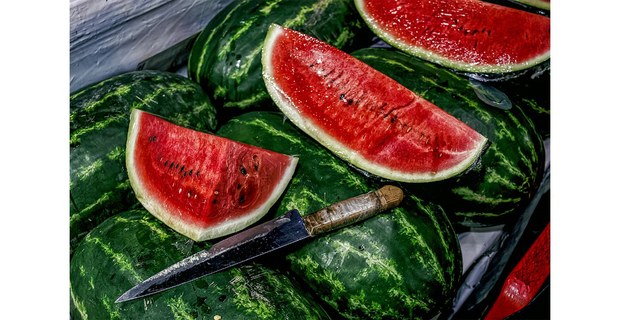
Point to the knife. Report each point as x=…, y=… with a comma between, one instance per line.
x=265, y=238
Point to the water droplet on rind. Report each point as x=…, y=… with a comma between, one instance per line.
x=491, y=95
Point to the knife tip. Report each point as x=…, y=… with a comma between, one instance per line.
x=120, y=299
x=125, y=297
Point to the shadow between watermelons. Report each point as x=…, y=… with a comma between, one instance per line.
x=526, y=74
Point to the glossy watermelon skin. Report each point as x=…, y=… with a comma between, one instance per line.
x=132, y=246
x=99, y=120
x=494, y=190
x=533, y=96
x=226, y=57
x=402, y=264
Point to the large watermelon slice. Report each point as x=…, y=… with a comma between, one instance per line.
x=201, y=185
x=467, y=35
x=361, y=115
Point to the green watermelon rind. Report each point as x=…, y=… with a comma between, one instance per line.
x=493, y=191
x=196, y=233
x=401, y=264
x=342, y=151
x=441, y=60
x=133, y=245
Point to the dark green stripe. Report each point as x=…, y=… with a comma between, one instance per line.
x=201, y=57
x=116, y=119
x=122, y=261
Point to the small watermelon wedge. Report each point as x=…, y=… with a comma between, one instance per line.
x=361, y=115
x=467, y=35
x=201, y=185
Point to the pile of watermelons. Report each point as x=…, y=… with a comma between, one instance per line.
x=403, y=264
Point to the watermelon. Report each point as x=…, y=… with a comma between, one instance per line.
x=225, y=59
x=533, y=96
x=99, y=119
x=363, y=116
x=402, y=264
x=132, y=246
x=495, y=190
x=468, y=35
x=201, y=185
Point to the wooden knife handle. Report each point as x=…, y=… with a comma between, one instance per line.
x=352, y=210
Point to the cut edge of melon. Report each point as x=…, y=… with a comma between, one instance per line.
x=342, y=151
x=197, y=233
x=441, y=60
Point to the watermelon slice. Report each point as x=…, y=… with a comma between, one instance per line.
x=361, y=115
x=201, y=185
x=467, y=35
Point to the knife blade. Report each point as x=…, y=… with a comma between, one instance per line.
x=265, y=238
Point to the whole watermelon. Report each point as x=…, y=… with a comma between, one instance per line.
x=402, y=264
x=496, y=189
x=99, y=120
x=132, y=246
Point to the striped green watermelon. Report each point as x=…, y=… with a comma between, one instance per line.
x=225, y=59
x=99, y=122
x=468, y=35
x=132, y=246
x=509, y=171
x=533, y=96
x=403, y=264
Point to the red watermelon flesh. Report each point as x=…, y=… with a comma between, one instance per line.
x=362, y=115
x=469, y=35
x=201, y=185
